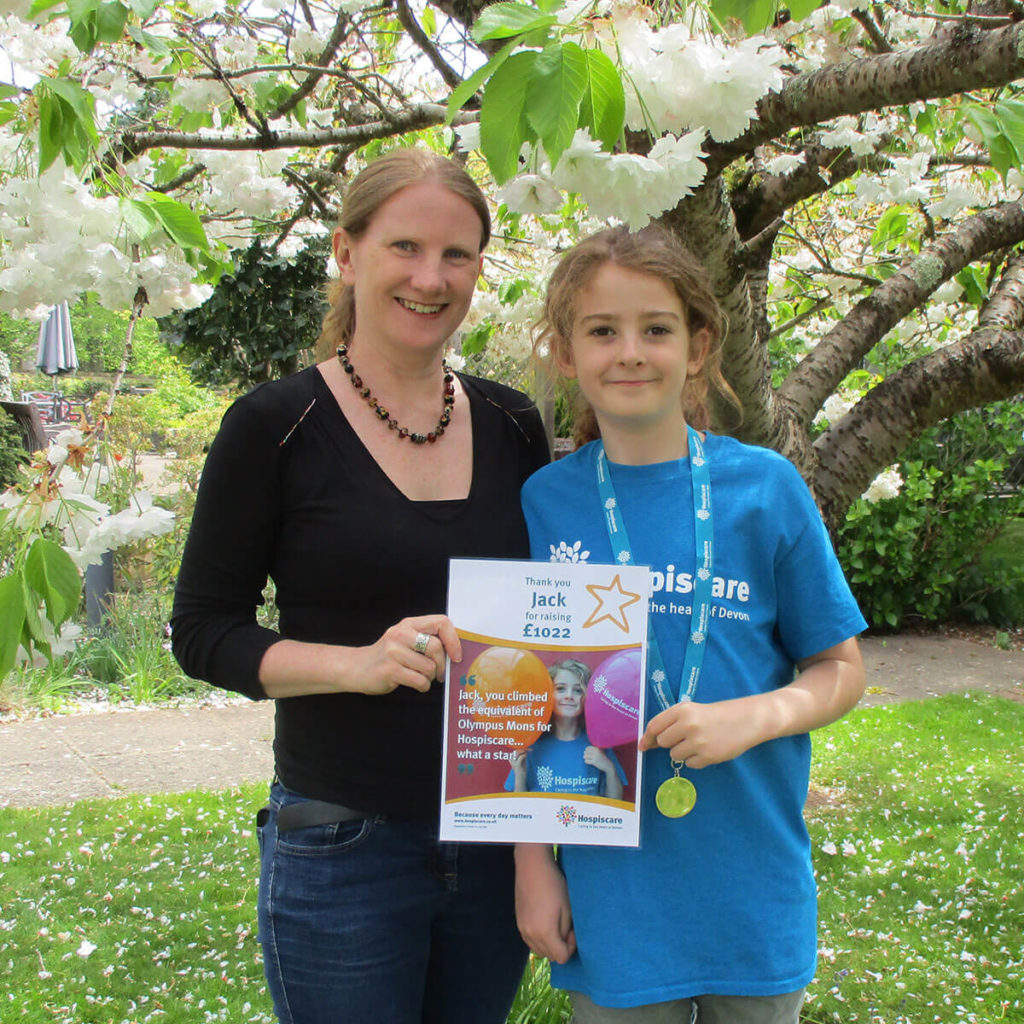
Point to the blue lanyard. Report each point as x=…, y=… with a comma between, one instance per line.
x=700, y=618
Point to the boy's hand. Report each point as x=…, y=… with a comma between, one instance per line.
x=542, y=903
x=703, y=734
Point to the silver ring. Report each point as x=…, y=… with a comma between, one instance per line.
x=420, y=643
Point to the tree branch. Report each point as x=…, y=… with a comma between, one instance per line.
x=189, y=174
x=758, y=206
x=420, y=38
x=314, y=77
x=422, y=115
x=704, y=221
x=984, y=367
x=971, y=59
x=851, y=339
x=1005, y=306
x=873, y=30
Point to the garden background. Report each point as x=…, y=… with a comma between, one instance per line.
x=851, y=174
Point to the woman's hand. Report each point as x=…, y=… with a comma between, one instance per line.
x=393, y=660
x=542, y=903
x=293, y=668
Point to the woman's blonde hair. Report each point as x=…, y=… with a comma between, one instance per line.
x=653, y=250
x=373, y=186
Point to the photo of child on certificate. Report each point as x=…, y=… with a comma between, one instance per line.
x=543, y=713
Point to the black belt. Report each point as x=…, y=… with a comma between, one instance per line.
x=315, y=812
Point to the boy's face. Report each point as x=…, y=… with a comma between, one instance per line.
x=569, y=693
x=631, y=350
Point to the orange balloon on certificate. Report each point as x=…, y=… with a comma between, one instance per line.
x=509, y=691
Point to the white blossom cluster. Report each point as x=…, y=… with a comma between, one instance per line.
x=61, y=240
x=88, y=527
x=246, y=182
x=620, y=186
x=681, y=81
x=886, y=485
x=680, y=86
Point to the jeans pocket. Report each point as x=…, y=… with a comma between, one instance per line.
x=326, y=840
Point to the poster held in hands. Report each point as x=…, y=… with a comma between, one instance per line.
x=543, y=713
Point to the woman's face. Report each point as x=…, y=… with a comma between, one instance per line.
x=414, y=268
x=569, y=693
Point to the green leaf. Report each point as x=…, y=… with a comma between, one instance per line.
x=892, y=226
x=800, y=9
x=499, y=21
x=38, y=6
x=84, y=33
x=550, y=6
x=1010, y=114
x=1000, y=147
x=51, y=573
x=467, y=88
x=143, y=8
x=110, y=22
x=603, y=109
x=156, y=45
x=503, y=124
x=50, y=128
x=7, y=91
x=178, y=221
x=553, y=95
x=975, y=284
x=475, y=341
x=77, y=102
x=429, y=20
x=139, y=216
x=754, y=15
x=12, y=620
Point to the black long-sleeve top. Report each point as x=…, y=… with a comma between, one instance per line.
x=290, y=492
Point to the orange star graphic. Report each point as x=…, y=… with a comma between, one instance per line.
x=616, y=603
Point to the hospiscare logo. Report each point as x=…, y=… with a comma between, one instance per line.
x=568, y=815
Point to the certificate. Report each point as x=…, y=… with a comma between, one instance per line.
x=543, y=714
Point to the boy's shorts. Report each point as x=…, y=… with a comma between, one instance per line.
x=784, y=1009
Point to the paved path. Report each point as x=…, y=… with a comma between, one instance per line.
x=71, y=757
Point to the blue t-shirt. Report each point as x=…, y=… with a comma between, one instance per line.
x=723, y=900
x=557, y=766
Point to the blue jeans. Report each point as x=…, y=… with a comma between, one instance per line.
x=376, y=921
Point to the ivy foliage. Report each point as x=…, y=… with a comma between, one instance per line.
x=259, y=320
x=921, y=556
x=12, y=449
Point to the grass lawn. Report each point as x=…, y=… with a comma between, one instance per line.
x=141, y=909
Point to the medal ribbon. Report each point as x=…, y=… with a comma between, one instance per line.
x=700, y=618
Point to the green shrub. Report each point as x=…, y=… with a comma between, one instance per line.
x=922, y=556
x=12, y=449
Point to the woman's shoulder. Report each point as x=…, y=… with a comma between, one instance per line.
x=500, y=404
x=510, y=399
x=277, y=400
x=269, y=410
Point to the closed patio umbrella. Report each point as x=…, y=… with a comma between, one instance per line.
x=56, y=353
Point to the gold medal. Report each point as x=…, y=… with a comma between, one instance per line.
x=676, y=797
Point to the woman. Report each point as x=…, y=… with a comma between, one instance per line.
x=564, y=760
x=351, y=484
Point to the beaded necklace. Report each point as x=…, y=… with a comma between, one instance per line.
x=393, y=424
